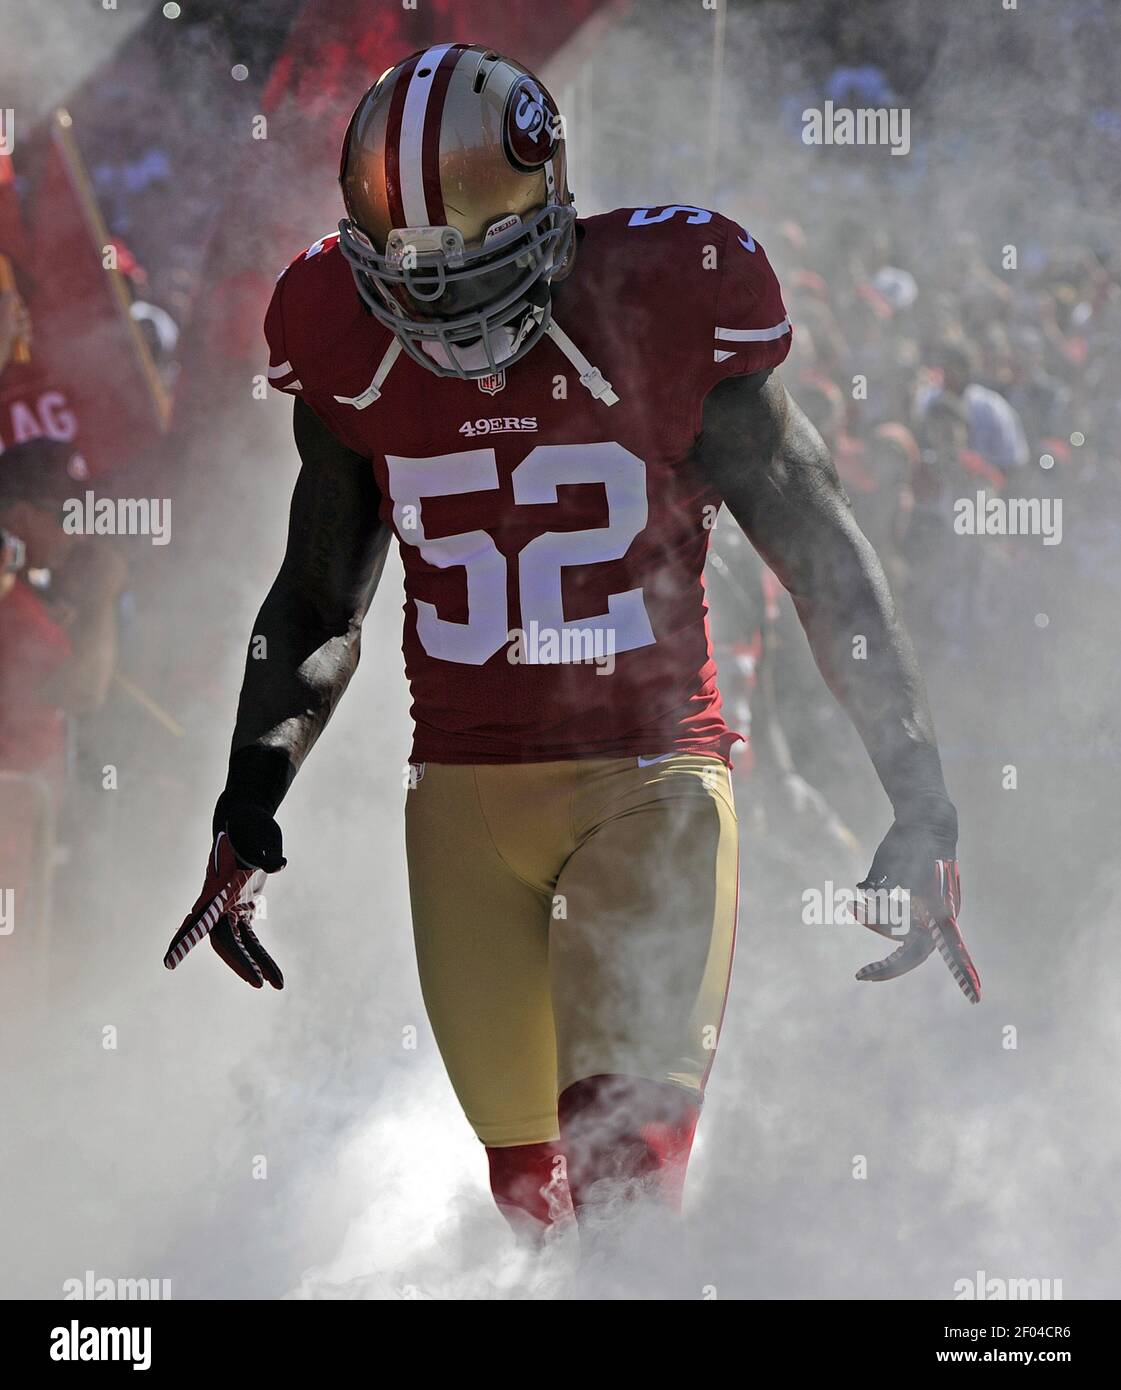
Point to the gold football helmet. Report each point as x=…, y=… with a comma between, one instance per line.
x=458, y=209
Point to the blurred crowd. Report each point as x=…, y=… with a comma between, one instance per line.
x=939, y=385
x=955, y=343
x=943, y=347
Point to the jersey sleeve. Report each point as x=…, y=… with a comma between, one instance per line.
x=282, y=374
x=751, y=331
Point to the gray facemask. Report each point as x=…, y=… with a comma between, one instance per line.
x=489, y=306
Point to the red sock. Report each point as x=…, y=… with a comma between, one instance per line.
x=530, y=1187
x=633, y=1133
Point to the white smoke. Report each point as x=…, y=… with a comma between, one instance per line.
x=144, y=1159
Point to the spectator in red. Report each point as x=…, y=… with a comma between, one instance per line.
x=58, y=634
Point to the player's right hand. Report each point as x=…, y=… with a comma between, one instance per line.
x=246, y=849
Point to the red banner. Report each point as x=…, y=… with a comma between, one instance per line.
x=90, y=381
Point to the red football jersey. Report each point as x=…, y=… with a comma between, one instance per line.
x=553, y=543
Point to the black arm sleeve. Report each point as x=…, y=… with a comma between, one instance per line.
x=775, y=474
x=306, y=640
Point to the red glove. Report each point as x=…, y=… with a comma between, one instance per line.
x=226, y=906
x=935, y=901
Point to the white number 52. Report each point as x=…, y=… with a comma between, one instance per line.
x=541, y=562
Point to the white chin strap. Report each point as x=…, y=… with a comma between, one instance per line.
x=504, y=340
x=591, y=378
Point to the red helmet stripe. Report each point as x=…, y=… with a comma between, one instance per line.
x=430, y=146
x=413, y=125
x=393, y=142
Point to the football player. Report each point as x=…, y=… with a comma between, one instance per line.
x=546, y=413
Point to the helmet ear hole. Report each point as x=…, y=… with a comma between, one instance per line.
x=486, y=63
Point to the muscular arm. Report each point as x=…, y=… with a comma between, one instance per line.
x=306, y=639
x=774, y=472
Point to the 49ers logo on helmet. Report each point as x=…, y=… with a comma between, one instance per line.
x=530, y=126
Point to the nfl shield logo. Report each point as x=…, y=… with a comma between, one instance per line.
x=493, y=383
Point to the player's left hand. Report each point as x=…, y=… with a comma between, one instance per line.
x=919, y=858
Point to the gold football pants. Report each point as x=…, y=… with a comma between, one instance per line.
x=572, y=919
